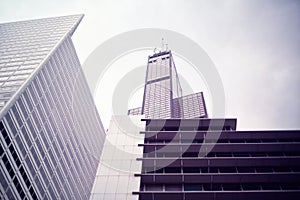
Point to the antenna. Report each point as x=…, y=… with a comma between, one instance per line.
x=164, y=46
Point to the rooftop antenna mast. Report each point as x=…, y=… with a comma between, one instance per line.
x=164, y=46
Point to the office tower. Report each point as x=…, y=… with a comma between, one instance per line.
x=51, y=135
x=160, y=86
x=182, y=160
x=163, y=93
x=188, y=156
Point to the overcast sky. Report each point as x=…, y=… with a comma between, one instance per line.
x=254, y=44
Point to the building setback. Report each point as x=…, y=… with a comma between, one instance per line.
x=51, y=134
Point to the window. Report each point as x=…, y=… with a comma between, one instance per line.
x=173, y=187
x=282, y=169
x=216, y=187
x=172, y=170
x=190, y=154
x=5, y=136
x=14, y=155
x=245, y=169
x=22, y=107
x=241, y=154
x=264, y=169
x=296, y=169
x=193, y=187
x=213, y=170
x=159, y=171
x=191, y=170
x=237, y=141
x=211, y=154
x=31, y=128
x=156, y=187
x=275, y=154
x=1, y=150
x=204, y=169
x=270, y=186
x=231, y=187
x=223, y=154
x=250, y=186
x=258, y=154
x=8, y=166
x=227, y=170
x=290, y=186
x=28, y=99
x=11, y=125
x=17, y=115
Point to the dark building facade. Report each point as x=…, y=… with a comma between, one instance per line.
x=51, y=134
x=179, y=161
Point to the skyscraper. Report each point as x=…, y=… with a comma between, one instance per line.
x=188, y=156
x=51, y=134
x=184, y=155
x=163, y=93
x=160, y=86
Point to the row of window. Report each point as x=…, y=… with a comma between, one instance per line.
x=199, y=128
x=135, y=111
x=14, y=178
x=219, y=141
x=221, y=187
x=219, y=154
x=157, y=71
x=205, y=170
x=38, y=27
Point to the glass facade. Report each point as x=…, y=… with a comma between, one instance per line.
x=51, y=135
x=163, y=93
x=24, y=45
x=158, y=87
x=193, y=106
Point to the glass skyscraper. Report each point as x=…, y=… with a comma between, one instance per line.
x=51, y=134
x=163, y=93
x=160, y=86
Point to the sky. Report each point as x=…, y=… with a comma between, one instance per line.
x=254, y=44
